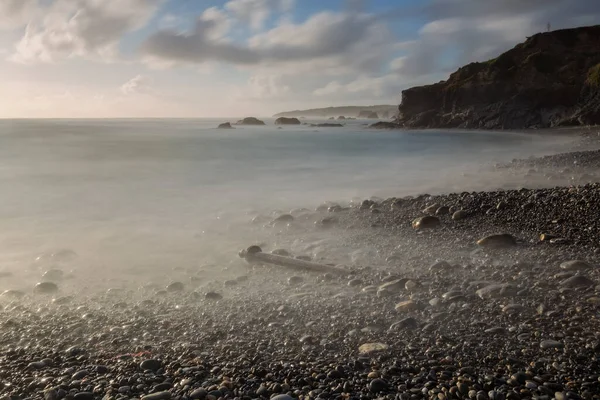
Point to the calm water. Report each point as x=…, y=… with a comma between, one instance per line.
x=160, y=190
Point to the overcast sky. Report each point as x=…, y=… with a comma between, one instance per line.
x=200, y=58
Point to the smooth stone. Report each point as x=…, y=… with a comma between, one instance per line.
x=406, y=323
x=53, y=275
x=499, y=241
x=458, y=215
x=512, y=308
x=394, y=286
x=431, y=209
x=575, y=265
x=84, y=396
x=368, y=348
x=45, y=287
x=577, y=281
x=282, y=397
x=427, y=222
x=175, y=287
x=157, y=396
x=443, y=210
x=378, y=385
x=151, y=365
x=199, y=393
x=213, y=296
x=551, y=344
x=406, y=306
x=496, y=291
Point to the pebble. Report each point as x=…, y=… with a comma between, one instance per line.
x=459, y=215
x=575, y=265
x=175, y=287
x=45, y=287
x=498, y=241
x=427, y=222
x=406, y=306
x=157, y=396
x=151, y=365
x=577, y=281
x=551, y=344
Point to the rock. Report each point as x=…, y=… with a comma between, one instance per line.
x=225, y=125
x=214, y=296
x=406, y=306
x=287, y=121
x=497, y=291
x=151, y=365
x=282, y=397
x=327, y=125
x=385, y=125
x=53, y=275
x=250, y=121
x=427, y=222
x=458, y=215
x=575, y=265
x=395, y=286
x=157, y=396
x=577, y=281
x=341, y=117
x=377, y=385
x=17, y=294
x=431, y=209
x=499, y=241
x=368, y=114
x=175, y=287
x=551, y=344
x=546, y=237
x=199, y=394
x=512, y=309
x=45, y=288
x=443, y=210
x=406, y=323
x=370, y=348
x=84, y=396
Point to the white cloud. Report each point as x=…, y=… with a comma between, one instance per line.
x=82, y=28
x=255, y=12
x=139, y=84
x=16, y=13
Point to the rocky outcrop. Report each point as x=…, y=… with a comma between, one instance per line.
x=385, y=125
x=327, y=125
x=341, y=117
x=225, y=125
x=368, y=115
x=250, y=121
x=552, y=79
x=287, y=121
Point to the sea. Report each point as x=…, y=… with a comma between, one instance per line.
x=130, y=194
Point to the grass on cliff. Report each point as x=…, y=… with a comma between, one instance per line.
x=593, y=76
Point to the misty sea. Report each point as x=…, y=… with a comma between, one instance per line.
x=135, y=190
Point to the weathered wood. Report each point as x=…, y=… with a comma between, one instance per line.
x=254, y=254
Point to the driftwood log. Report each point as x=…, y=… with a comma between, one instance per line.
x=254, y=254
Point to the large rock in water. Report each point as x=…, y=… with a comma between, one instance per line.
x=287, y=121
x=551, y=79
x=368, y=114
x=250, y=121
x=225, y=125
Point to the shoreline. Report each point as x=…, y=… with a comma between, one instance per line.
x=420, y=314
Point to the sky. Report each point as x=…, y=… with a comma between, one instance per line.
x=211, y=58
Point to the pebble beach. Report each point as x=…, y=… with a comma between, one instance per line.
x=473, y=295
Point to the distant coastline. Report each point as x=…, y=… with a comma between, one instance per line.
x=383, y=111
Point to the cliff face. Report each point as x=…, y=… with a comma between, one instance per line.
x=552, y=79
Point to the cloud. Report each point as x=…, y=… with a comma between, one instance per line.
x=82, y=28
x=16, y=13
x=255, y=12
x=325, y=40
x=461, y=31
x=139, y=84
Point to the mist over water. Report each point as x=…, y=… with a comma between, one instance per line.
x=145, y=196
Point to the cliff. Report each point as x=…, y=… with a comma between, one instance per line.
x=552, y=79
